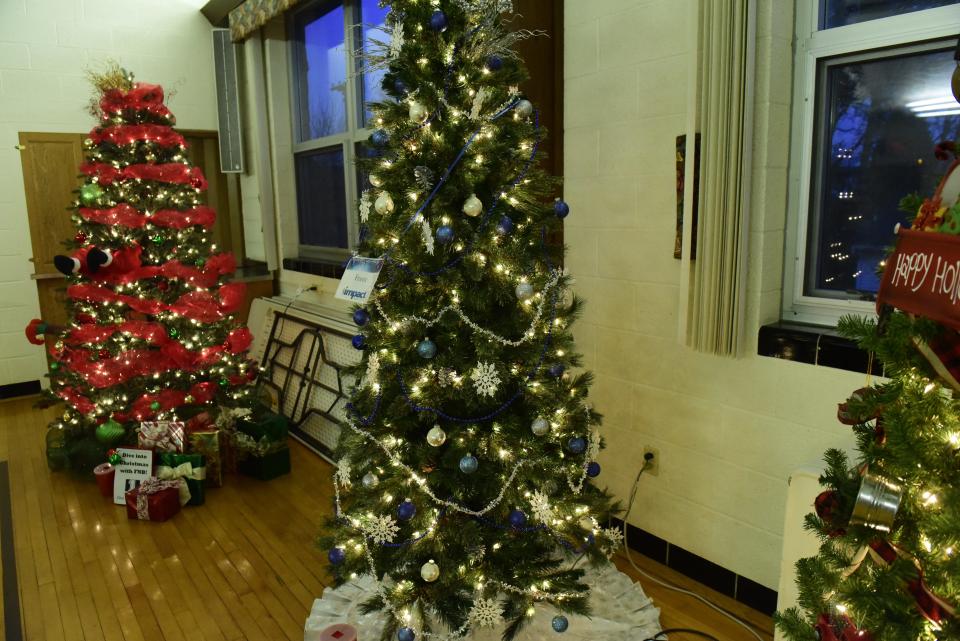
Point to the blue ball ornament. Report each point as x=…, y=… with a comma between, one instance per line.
x=337, y=556
x=469, y=464
x=561, y=209
x=505, y=226
x=359, y=341
x=445, y=234
x=593, y=470
x=406, y=510
x=556, y=370
x=406, y=634
x=577, y=445
x=517, y=518
x=494, y=63
x=438, y=21
x=427, y=349
x=400, y=86
x=560, y=623
x=361, y=317
x=380, y=138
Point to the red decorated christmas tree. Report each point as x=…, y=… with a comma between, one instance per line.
x=151, y=333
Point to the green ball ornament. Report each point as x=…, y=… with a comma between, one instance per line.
x=110, y=432
x=201, y=262
x=90, y=193
x=54, y=367
x=224, y=382
x=155, y=406
x=158, y=239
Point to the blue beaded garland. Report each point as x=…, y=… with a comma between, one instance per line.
x=593, y=470
x=359, y=341
x=406, y=634
x=438, y=21
x=469, y=464
x=380, y=138
x=560, y=623
x=556, y=370
x=406, y=510
x=561, y=209
x=336, y=556
x=517, y=518
x=361, y=317
x=494, y=63
x=505, y=226
x=427, y=349
x=445, y=234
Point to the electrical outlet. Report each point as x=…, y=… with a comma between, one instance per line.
x=653, y=465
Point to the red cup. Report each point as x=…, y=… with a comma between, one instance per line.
x=104, y=474
x=339, y=632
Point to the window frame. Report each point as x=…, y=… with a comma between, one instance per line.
x=347, y=140
x=810, y=47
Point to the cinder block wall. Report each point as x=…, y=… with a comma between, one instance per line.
x=45, y=47
x=729, y=431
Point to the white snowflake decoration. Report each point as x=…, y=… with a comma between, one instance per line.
x=612, y=540
x=380, y=529
x=594, y=448
x=478, y=100
x=485, y=379
x=373, y=369
x=396, y=40
x=500, y=6
x=342, y=475
x=427, y=234
x=447, y=377
x=486, y=613
x=365, y=205
x=540, y=507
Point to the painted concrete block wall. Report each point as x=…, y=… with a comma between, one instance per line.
x=45, y=48
x=729, y=431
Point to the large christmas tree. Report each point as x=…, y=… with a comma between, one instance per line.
x=151, y=334
x=889, y=564
x=464, y=474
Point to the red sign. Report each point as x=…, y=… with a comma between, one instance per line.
x=922, y=276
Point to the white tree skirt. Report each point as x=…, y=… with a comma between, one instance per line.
x=621, y=612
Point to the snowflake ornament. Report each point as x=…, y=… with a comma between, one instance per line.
x=365, y=205
x=342, y=475
x=373, y=369
x=478, y=100
x=500, y=6
x=612, y=540
x=447, y=377
x=424, y=177
x=486, y=613
x=396, y=40
x=380, y=529
x=427, y=233
x=485, y=379
x=540, y=507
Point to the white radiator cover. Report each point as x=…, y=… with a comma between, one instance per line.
x=304, y=349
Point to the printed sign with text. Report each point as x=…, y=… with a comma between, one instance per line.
x=359, y=279
x=136, y=467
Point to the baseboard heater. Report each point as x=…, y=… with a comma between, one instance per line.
x=304, y=350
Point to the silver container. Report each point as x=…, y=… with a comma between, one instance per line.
x=877, y=503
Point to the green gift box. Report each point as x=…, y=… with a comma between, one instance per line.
x=208, y=443
x=270, y=465
x=264, y=424
x=190, y=467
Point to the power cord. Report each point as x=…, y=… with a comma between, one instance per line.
x=696, y=633
x=647, y=458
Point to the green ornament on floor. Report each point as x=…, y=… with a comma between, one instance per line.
x=90, y=193
x=110, y=432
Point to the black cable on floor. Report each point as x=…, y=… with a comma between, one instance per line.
x=696, y=633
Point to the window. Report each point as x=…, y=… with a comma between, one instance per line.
x=871, y=99
x=330, y=117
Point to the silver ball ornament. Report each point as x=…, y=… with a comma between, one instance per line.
x=524, y=291
x=418, y=113
x=370, y=480
x=436, y=436
x=540, y=426
x=384, y=204
x=473, y=207
x=376, y=180
x=430, y=571
x=525, y=108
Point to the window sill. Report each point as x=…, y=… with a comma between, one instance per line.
x=815, y=345
x=315, y=267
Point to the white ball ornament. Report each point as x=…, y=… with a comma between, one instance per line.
x=540, y=426
x=430, y=571
x=524, y=291
x=436, y=436
x=473, y=207
x=376, y=180
x=525, y=108
x=384, y=204
x=418, y=113
x=370, y=480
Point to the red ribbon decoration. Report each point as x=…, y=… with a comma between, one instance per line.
x=127, y=216
x=201, y=306
x=143, y=97
x=168, y=400
x=173, y=172
x=126, y=268
x=163, y=135
x=77, y=400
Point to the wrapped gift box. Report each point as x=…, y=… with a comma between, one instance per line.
x=154, y=500
x=190, y=467
x=209, y=444
x=161, y=436
x=264, y=424
x=269, y=465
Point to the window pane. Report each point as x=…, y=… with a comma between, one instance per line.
x=322, y=198
x=837, y=13
x=321, y=71
x=877, y=123
x=373, y=19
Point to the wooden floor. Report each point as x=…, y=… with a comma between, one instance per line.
x=242, y=566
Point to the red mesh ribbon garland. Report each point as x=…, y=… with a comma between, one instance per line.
x=167, y=400
x=200, y=306
x=126, y=268
x=143, y=97
x=174, y=172
x=127, y=216
x=75, y=399
x=125, y=134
